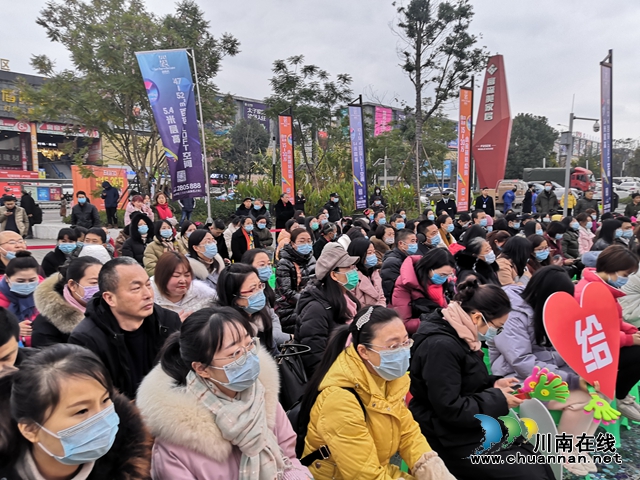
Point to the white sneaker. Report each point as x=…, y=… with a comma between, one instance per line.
x=629, y=408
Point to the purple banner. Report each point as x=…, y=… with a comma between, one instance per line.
x=167, y=78
x=258, y=111
x=607, y=164
x=358, y=161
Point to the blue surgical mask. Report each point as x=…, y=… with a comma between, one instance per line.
x=371, y=218
x=627, y=233
x=618, y=233
x=304, y=249
x=404, y=216
x=619, y=283
x=540, y=232
x=490, y=334
x=559, y=236
x=257, y=207
x=594, y=216
x=248, y=228
x=166, y=233
x=371, y=261
x=439, y=279
x=24, y=289
x=490, y=228
x=393, y=363
x=143, y=229
x=255, y=303
x=431, y=217
x=589, y=225
x=412, y=249
x=542, y=255
x=264, y=273
x=9, y=255
x=210, y=250
x=262, y=226
x=490, y=257
x=546, y=220
x=335, y=200
x=324, y=221
x=547, y=188
x=67, y=248
x=575, y=225
x=483, y=222
x=241, y=377
x=400, y=225
x=87, y=441
x=435, y=240
x=382, y=221
x=450, y=227
x=516, y=225
x=82, y=200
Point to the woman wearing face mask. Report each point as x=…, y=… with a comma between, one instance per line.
x=17, y=286
x=554, y=235
x=445, y=227
x=203, y=256
x=570, y=244
x=585, y=236
x=450, y=383
x=497, y=239
x=512, y=262
x=62, y=418
x=163, y=241
x=478, y=260
x=175, y=288
x=140, y=236
x=244, y=239
x=383, y=241
x=533, y=228
x=62, y=299
x=212, y=405
x=610, y=230
x=429, y=215
x=295, y=269
x=62, y=253
x=186, y=229
x=328, y=233
x=312, y=225
x=326, y=303
x=523, y=344
x=354, y=406
x=540, y=255
x=264, y=234
x=369, y=289
x=423, y=286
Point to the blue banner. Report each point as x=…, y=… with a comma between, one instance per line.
x=167, y=78
x=605, y=114
x=358, y=160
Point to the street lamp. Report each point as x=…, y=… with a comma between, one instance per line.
x=567, y=172
x=377, y=162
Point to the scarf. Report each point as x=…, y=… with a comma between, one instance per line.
x=71, y=300
x=22, y=307
x=164, y=211
x=463, y=325
x=243, y=422
x=249, y=238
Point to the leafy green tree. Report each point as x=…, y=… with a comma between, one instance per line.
x=438, y=54
x=104, y=90
x=532, y=140
x=249, y=141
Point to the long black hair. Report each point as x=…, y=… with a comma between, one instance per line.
x=358, y=248
x=544, y=283
x=157, y=226
x=194, y=239
x=434, y=258
x=518, y=250
x=608, y=230
x=229, y=286
x=75, y=271
x=200, y=337
x=334, y=295
x=247, y=258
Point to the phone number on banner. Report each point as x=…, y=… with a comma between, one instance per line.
x=188, y=186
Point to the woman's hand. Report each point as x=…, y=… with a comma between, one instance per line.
x=584, y=385
x=505, y=383
x=25, y=328
x=636, y=338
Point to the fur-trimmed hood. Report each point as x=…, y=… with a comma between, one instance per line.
x=174, y=415
x=54, y=307
x=200, y=269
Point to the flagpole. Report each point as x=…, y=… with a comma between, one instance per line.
x=204, y=144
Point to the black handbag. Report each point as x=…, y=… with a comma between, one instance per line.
x=293, y=378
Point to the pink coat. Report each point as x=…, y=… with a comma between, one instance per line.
x=626, y=329
x=369, y=291
x=188, y=443
x=585, y=240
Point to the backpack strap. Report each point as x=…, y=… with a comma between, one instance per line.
x=323, y=453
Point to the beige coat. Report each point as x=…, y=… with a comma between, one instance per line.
x=22, y=221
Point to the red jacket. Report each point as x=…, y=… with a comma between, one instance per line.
x=5, y=303
x=626, y=329
x=408, y=289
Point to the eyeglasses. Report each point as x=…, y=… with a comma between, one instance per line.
x=254, y=289
x=14, y=242
x=240, y=355
x=395, y=346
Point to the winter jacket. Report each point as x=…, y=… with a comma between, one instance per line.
x=83, y=215
x=335, y=211
x=135, y=245
x=189, y=444
x=52, y=261
x=187, y=204
x=631, y=210
x=293, y=273
x=300, y=201
x=129, y=458
x=390, y=271
x=514, y=351
x=626, y=329
x=585, y=204
x=361, y=445
x=240, y=244
x=227, y=234
x=369, y=290
x=546, y=202
x=110, y=195
x=263, y=212
x=284, y=213
x=600, y=245
x=122, y=237
x=470, y=265
x=130, y=210
x=450, y=384
x=381, y=248
x=507, y=272
x=585, y=240
x=411, y=299
x=630, y=303
x=449, y=206
x=201, y=272
x=199, y=296
x=28, y=203
x=56, y=319
x=572, y=202
x=555, y=246
x=486, y=204
x=508, y=198
x=527, y=203
x=265, y=236
x=100, y=332
x=570, y=244
x=22, y=221
x=318, y=246
x=154, y=250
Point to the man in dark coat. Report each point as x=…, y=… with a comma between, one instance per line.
x=284, y=211
x=110, y=195
x=585, y=203
x=547, y=201
x=527, y=203
x=123, y=326
x=485, y=202
x=393, y=259
x=333, y=207
x=447, y=204
x=245, y=209
x=187, y=205
x=83, y=214
x=29, y=204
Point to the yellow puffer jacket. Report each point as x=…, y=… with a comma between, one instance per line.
x=362, y=449
x=572, y=201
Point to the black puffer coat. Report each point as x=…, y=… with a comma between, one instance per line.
x=135, y=245
x=469, y=265
x=287, y=287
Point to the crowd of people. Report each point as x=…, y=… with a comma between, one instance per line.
x=157, y=354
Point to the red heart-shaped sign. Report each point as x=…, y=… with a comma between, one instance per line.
x=586, y=335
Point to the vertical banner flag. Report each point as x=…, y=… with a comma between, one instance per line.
x=464, y=149
x=167, y=78
x=606, y=85
x=286, y=154
x=384, y=117
x=358, y=161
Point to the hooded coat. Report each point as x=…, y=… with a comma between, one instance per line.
x=188, y=443
x=135, y=245
x=110, y=195
x=293, y=273
x=57, y=317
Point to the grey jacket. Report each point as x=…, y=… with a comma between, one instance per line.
x=546, y=203
x=583, y=205
x=514, y=352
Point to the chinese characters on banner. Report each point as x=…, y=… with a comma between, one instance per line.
x=464, y=149
x=167, y=78
x=116, y=176
x=257, y=111
x=606, y=162
x=384, y=116
x=286, y=154
x=358, y=161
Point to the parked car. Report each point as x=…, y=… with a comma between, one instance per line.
x=631, y=187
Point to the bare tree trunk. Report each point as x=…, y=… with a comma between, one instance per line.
x=419, y=120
